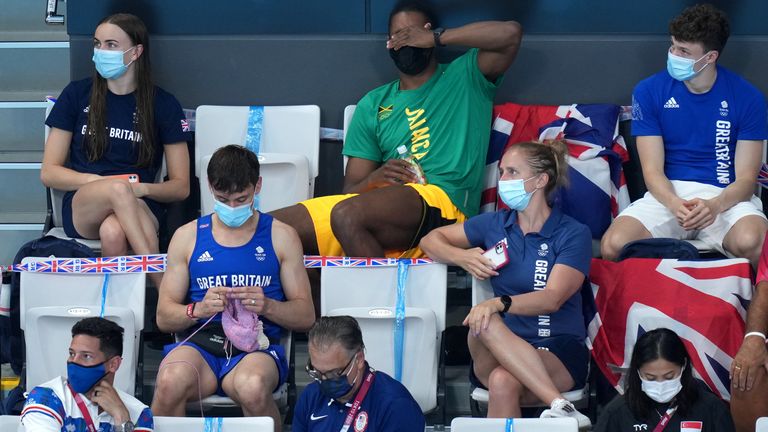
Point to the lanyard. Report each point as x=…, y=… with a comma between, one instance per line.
x=665, y=420
x=83, y=410
x=358, y=401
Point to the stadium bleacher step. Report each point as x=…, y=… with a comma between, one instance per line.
x=35, y=63
x=24, y=20
x=22, y=129
x=33, y=70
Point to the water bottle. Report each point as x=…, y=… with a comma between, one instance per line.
x=415, y=168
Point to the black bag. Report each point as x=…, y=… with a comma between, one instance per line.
x=43, y=247
x=659, y=248
x=211, y=338
x=13, y=402
x=455, y=346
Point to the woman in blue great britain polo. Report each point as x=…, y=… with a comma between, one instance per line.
x=527, y=343
x=106, y=145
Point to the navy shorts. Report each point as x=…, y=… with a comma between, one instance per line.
x=221, y=366
x=68, y=224
x=570, y=350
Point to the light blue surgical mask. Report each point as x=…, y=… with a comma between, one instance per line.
x=681, y=68
x=233, y=217
x=83, y=378
x=109, y=63
x=513, y=193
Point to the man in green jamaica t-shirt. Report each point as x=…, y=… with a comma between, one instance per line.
x=441, y=113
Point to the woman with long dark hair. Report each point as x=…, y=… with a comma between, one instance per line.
x=107, y=140
x=662, y=394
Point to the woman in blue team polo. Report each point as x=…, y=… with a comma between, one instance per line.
x=108, y=137
x=527, y=344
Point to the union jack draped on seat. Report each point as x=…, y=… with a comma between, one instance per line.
x=704, y=302
x=598, y=191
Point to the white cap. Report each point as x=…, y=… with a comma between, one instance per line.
x=402, y=150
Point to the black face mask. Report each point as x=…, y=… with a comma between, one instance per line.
x=411, y=60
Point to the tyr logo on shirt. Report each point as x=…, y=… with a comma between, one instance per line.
x=640, y=427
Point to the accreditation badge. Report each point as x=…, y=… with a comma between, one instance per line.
x=361, y=422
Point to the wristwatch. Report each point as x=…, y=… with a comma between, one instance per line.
x=437, y=33
x=125, y=427
x=507, y=302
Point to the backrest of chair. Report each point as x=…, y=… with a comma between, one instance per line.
x=369, y=295
x=376, y=287
x=48, y=335
x=50, y=305
x=761, y=425
x=468, y=424
x=481, y=290
x=10, y=423
x=285, y=129
x=349, y=111
x=228, y=424
x=284, y=179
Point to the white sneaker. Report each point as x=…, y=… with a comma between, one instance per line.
x=562, y=408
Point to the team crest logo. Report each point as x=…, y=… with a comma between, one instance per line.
x=384, y=112
x=260, y=255
x=724, y=108
x=543, y=250
x=361, y=423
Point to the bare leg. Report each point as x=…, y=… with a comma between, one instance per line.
x=748, y=406
x=251, y=383
x=745, y=238
x=379, y=220
x=178, y=383
x=95, y=201
x=298, y=217
x=507, y=393
x=514, y=355
x=622, y=231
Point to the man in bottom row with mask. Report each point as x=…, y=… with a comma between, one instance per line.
x=244, y=269
x=348, y=394
x=86, y=400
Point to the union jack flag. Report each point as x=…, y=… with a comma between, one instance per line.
x=704, y=302
x=597, y=191
x=315, y=261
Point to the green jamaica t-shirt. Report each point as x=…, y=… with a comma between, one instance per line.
x=445, y=124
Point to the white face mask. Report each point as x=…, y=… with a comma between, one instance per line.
x=662, y=391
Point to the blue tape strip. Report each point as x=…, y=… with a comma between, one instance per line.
x=213, y=424
x=510, y=426
x=253, y=136
x=402, y=277
x=104, y=287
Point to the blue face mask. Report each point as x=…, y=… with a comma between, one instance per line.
x=83, y=378
x=109, y=63
x=337, y=387
x=233, y=217
x=513, y=193
x=681, y=68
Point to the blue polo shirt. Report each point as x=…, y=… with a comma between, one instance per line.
x=562, y=240
x=388, y=406
x=700, y=131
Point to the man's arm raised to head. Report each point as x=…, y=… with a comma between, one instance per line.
x=171, y=310
x=498, y=42
x=297, y=312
